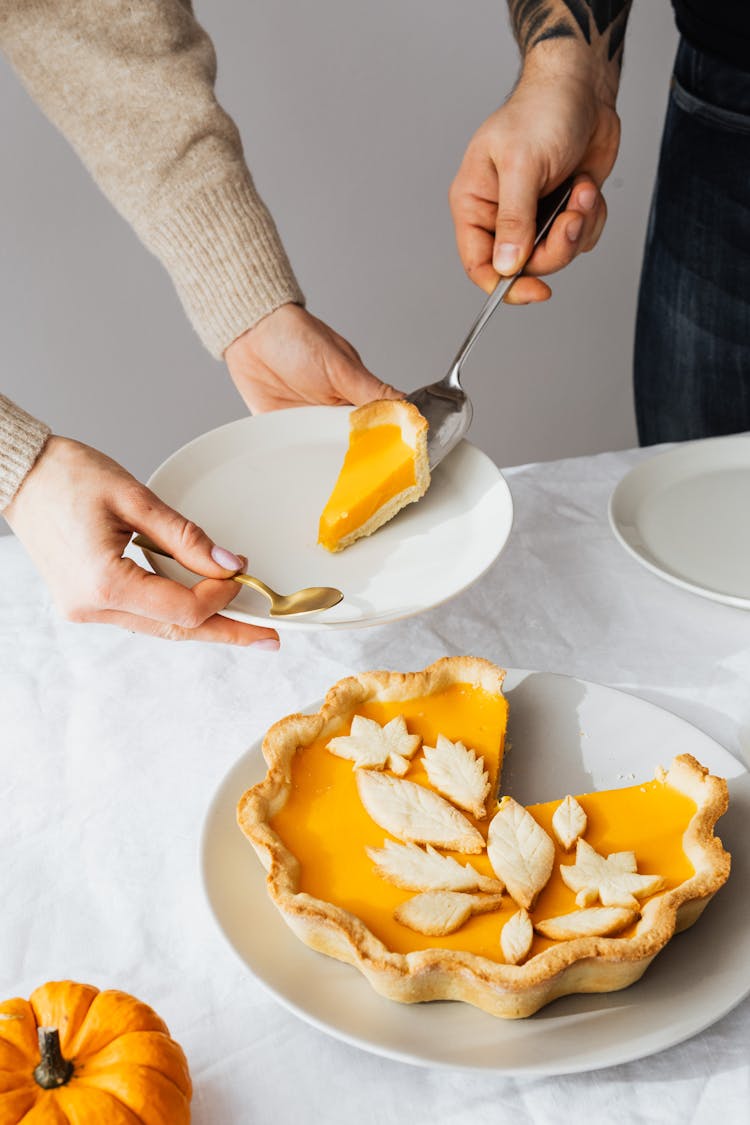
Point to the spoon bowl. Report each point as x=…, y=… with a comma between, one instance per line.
x=313, y=599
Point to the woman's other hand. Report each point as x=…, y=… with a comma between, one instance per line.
x=75, y=513
x=290, y=358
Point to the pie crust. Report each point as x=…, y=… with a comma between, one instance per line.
x=581, y=964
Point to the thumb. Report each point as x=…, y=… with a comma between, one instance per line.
x=358, y=385
x=515, y=225
x=376, y=390
x=183, y=539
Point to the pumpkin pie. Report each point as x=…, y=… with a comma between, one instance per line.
x=387, y=846
x=385, y=468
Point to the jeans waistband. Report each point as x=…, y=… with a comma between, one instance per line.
x=712, y=79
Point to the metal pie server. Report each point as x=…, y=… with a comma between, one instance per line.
x=445, y=405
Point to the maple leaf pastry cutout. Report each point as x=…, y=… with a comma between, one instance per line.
x=371, y=746
x=612, y=879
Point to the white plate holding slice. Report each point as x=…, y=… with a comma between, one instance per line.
x=258, y=486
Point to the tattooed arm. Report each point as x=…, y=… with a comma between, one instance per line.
x=560, y=119
x=601, y=23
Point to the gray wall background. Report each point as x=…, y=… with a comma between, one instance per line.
x=354, y=118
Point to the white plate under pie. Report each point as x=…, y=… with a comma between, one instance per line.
x=685, y=514
x=567, y=736
x=258, y=486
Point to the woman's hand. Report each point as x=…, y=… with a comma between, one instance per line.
x=290, y=358
x=553, y=125
x=75, y=513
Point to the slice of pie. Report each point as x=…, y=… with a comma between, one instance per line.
x=385, y=468
x=386, y=846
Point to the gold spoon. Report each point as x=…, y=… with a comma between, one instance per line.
x=310, y=600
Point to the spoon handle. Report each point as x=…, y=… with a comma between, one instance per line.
x=145, y=544
x=548, y=208
x=255, y=584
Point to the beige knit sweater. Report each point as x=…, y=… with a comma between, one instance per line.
x=130, y=84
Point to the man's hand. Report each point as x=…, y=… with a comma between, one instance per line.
x=290, y=358
x=553, y=125
x=75, y=513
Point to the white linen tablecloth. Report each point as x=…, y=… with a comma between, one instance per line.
x=112, y=746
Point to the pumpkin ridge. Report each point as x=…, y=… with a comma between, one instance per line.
x=16, y=1102
x=46, y=1108
x=112, y=1014
x=132, y=1049
x=149, y=1094
x=94, y=1083
x=64, y=1005
x=18, y=1028
x=126, y=1115
x=22, y=1081
x=18, y=1056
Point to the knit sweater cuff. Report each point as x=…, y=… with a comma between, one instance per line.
x=226, y=260
x=22, y=439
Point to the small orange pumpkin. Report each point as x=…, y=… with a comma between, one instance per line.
x=72, y=1055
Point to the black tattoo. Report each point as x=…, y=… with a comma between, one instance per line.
x=535, y=21
x=579, y=12
x=559, y=30
x=617, y=35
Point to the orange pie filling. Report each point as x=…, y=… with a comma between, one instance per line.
x=325, y=825
x=386, y=467
x=378, y=466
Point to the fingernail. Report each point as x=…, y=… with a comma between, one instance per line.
x=574, y=228
x=225, y=558
x=587, y=198
x=268, y=644
x=505, y=257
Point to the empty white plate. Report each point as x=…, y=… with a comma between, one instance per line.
x=258, y=486
x=685, y=514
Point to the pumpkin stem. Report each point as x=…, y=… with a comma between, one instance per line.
x=53, y=1070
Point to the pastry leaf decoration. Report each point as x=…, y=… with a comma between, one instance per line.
x=516, y=937
x=458, y=774
x=371, y=746
x=569, y=822
x=596, y=921
x=520, y=851
x=612, y=880
x=414, y=814
x=424, y=869
x=441, y=912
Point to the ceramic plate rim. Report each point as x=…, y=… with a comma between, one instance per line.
x=633, y=477
x=501, y=529
x=630, y=1049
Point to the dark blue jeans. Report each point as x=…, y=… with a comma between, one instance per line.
x=692, y=343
